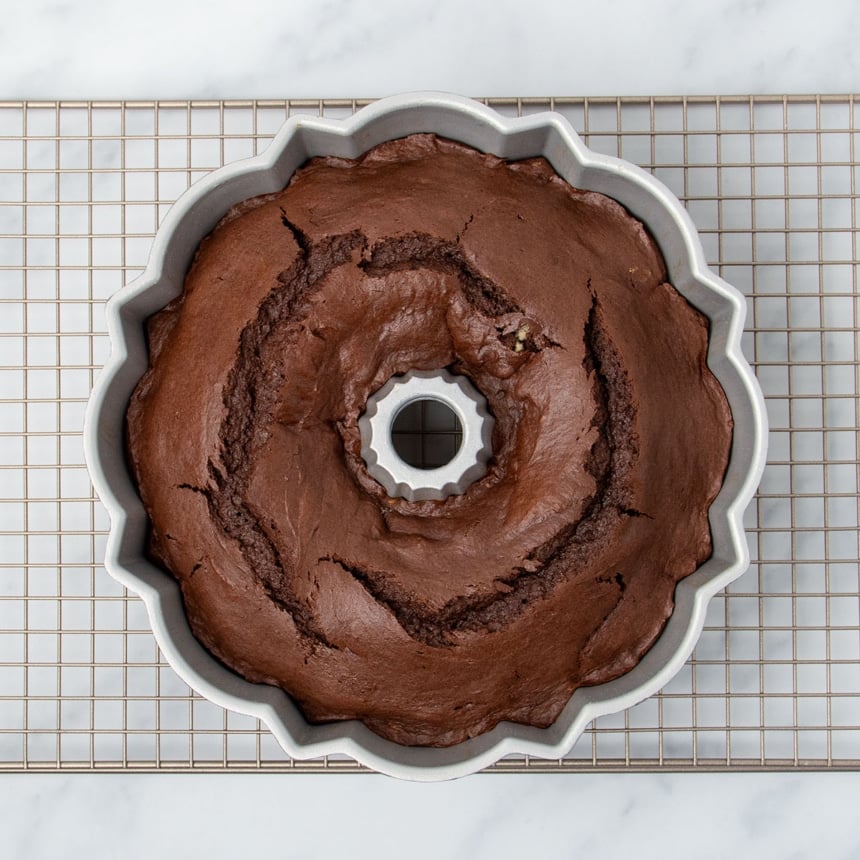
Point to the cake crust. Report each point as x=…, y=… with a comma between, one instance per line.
x=429, y=621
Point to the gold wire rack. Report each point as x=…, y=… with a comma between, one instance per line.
x=771, y=183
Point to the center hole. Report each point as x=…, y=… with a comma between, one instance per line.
x=426, y=434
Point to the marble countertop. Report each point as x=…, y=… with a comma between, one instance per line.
x=51, y=49
x=641, y=816
x=338, y=48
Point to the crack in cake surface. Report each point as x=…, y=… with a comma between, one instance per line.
x=249, y=400
x=566, y=552
x=251, y=397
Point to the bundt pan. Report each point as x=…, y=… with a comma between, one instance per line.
x=196, y=214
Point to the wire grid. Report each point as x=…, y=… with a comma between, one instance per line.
x=771, y=183
x=426, y=433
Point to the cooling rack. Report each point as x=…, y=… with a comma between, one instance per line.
x=771, y=183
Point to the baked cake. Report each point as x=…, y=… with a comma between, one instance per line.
x=430, y=621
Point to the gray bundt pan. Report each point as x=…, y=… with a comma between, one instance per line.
x=194, y=216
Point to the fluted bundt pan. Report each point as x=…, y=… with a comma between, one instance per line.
x=195, y=215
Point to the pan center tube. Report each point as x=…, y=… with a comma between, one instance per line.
x=427, y=434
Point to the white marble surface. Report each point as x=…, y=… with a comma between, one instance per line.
x=285, y=48
x=99, y=49
x=601, y=816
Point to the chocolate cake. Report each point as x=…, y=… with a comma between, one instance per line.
x=430, y=621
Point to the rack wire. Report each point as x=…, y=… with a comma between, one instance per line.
x=772, y=184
